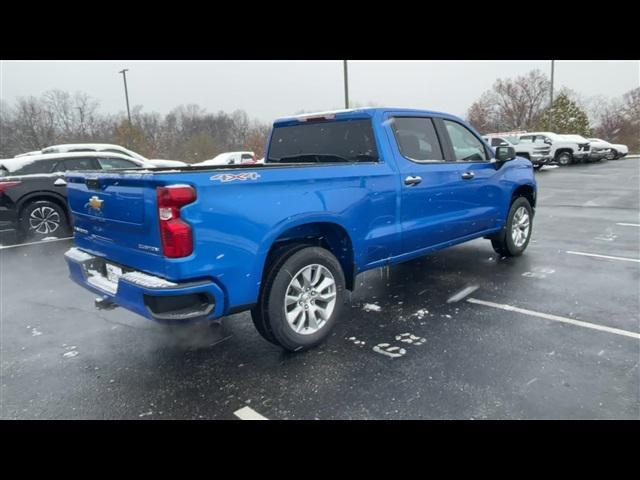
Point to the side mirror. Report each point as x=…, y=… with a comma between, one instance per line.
x=504, y=154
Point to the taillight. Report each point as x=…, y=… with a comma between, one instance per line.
x=175, y=233
x=6, y=185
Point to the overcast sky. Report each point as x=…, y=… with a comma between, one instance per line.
x=268, y=89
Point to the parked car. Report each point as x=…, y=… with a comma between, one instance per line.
x=33, y=198
x=93, y=147
x=538, y=152
x=231, y=158
x=596, y=151
x=563, y=150
x=339, y=193
x=617, y=150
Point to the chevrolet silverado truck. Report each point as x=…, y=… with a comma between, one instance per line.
x=339, y=193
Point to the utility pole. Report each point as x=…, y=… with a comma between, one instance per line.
x=346, y=84
x=551, y=100
x=126, y=92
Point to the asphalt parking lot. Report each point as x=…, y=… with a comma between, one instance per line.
x=570, y=350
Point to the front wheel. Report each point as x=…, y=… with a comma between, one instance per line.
x=565, y=158
x=515, y=236
x=302, y=297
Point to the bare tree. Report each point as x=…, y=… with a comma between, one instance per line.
x=511, y=104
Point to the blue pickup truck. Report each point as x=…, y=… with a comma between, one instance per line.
x=339, y=193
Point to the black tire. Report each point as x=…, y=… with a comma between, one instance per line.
x=564, y=159
x=614, y=155
x=41, y=219
x=503, y=243
x=269, y=315
x=537, y=167
x=258, y=313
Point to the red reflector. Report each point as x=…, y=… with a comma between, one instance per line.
x=5, y=185
x=176, y=238
x=175, y=233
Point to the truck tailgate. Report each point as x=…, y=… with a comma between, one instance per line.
x=115, y=216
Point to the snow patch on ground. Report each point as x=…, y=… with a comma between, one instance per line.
x=371, y=307
x=355, y=341
x=421, y=313
x=411, y=339
x=389, y=351
x=71, y=352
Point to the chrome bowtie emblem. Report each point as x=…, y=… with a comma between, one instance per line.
x=95, y=202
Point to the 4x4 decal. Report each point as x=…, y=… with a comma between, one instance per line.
x=230, y=177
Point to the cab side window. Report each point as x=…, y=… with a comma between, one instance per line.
x=466, y=146
x=417, y=139
x=108, y=163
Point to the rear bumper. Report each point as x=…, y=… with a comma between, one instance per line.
x=147, y=295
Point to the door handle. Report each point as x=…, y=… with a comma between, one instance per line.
x=468, y=175
x=410, y=180
x=60, y=182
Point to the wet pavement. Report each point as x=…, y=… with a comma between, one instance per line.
x=62, y=359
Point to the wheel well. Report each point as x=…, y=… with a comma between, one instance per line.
x=563, y=150
x=527, y=192
x=330, y=236
x=49, y=198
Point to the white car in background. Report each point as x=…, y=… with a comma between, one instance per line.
x=617, y=149
x=231, y=158
x=596, y=151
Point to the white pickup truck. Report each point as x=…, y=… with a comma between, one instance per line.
x=538, y=152
x=563, y=150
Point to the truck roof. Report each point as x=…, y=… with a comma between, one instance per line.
x=359, y=113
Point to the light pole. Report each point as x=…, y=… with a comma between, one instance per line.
x=126, y=92
x=551, y=99
x=346, y=84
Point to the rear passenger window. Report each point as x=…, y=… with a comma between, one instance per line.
x=38, y=167
x=417, y=139
x=71, y=164
x=466, y=146
x=111, y=163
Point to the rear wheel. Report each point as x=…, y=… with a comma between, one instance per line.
x=42, y=219
x=564, y=159
x=515, y=236
x=301, y=299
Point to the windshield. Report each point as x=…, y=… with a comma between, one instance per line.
x=323, y=142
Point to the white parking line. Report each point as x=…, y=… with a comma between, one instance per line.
x=556, y=318
x=625, y=259
x=34, y=243
x=629, y=224
x=248, y=413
